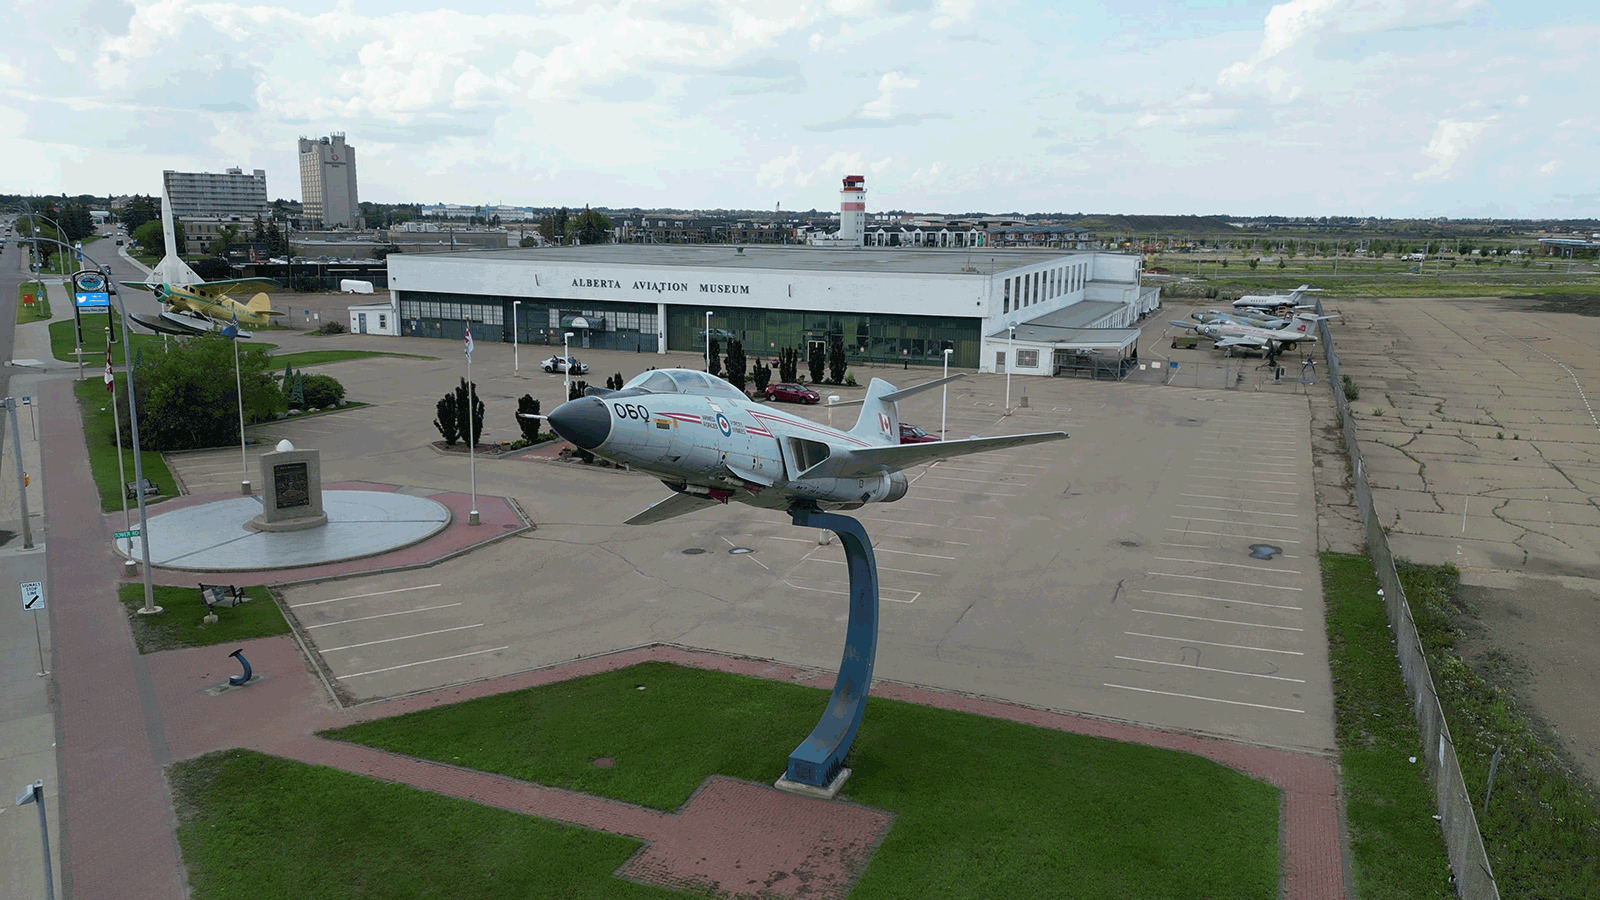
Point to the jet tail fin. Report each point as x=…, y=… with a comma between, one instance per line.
x=880, y=418
x=172, y=269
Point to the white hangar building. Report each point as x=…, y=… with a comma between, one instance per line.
x=887, y=305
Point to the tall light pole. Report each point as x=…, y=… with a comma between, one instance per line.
x=566, y=362
x=516, y=360
x=944, y=400
x=1010, y=364
x=708, y=340
x=34, y=793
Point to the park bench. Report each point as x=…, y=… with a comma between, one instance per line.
x=224, y=595
x=151, y=489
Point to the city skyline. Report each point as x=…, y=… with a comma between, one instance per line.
x=1398, y=109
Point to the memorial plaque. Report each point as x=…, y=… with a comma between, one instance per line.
x=292, y=485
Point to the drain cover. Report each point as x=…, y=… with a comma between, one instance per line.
x=1264, y=551
x=740, y=550
x=693, y=551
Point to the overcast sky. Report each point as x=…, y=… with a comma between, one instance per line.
x=1461, y=108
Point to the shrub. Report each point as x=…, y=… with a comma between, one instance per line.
x=527, y=406
x=332, y=326
x=763, y=376
x=187, y=402
x=322, y=391
x=1351, y=391
x=738, y=365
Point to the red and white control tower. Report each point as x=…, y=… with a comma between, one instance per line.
x=853, y=210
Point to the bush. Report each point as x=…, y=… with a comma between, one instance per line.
x=332, y=326
x=526, y=408
x=322, y=391
x=186, y=401
x=763, y=376
x=1351, y=391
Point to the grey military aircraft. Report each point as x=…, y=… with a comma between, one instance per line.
x=710, y=443
x=1227, y=335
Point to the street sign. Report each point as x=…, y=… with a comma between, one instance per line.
x=26, y=401
x=32, y=596
x=127, y=534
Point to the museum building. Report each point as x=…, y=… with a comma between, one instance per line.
x=888, y=305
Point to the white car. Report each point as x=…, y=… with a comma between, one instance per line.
x=564, y=364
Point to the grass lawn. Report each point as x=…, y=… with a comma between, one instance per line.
x=95, y=410
x=39, y=309
x=985, y=808
x=315, y=357
x=1396, y=847
x=252, y=825
x=180, y=624
x=63, y=340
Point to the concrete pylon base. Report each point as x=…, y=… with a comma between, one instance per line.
x=831, y=792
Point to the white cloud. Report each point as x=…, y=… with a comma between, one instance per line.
x=1450, y=140
x=888, y=87
x=1550, y=167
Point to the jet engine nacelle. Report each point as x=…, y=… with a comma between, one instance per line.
x=884, y=488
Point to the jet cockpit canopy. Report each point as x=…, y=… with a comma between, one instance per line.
x=680, y=381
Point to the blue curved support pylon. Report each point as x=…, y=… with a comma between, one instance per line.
x=237, y=680
x=820, y=757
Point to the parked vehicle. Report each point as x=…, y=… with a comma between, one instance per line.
x=790, y=392
x=911, y=434
x=564, y=364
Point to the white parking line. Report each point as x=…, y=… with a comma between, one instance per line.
x=1221, y=599
x=963, y=480
x=403, y=612
x=934, y=487
x=1240, y=478
x=1157, y=612
x=1241, y=499
x=1233, y=522
x=911, y=553
x=1253, y=512
x=401, y=638
x=883, y=591
x=840, y=562
x=1157, y=662
x=1162, y=637
x=423, y=662
x=966, y=466
x=1241, y=537
x=420, y=587
x=1207, y=562
x=1211, y=699
x=1275, y=587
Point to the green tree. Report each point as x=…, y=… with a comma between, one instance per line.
x=836, y=360
x=738, y=365
x=224, y=241
x=1254, y=263
x=559, y=226
x=187, y=400
x=816, y=361
x=527, y=413
x=591, y=227
x=788, y=364
x=139, y=211
x=763, y=376
x=467, y=402
x=447, y=419
x=528, y=240
x=713, y=357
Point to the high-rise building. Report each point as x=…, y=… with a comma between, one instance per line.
x=207, y=194
x=328, y=182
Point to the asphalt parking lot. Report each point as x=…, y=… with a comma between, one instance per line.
x=1111, y=574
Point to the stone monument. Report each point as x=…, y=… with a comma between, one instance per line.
x=291, y=490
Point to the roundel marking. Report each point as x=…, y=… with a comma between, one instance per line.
x=725, y=425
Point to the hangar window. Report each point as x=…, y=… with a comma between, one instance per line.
x=1027, y=359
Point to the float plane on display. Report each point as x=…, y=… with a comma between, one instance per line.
x=710, y=444
x=192, y=305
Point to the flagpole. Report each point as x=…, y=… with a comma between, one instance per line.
x=116, y=429
x=472, y=442
x=238, y=386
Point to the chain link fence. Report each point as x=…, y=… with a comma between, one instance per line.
x=1463, y=842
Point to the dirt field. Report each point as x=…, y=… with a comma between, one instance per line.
x=1480, y=429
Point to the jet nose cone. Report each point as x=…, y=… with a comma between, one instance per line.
x=584, y=421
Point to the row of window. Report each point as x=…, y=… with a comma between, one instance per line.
x=1025, y=290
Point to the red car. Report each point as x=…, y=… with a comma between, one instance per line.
x=793, y=393
x=911, y=434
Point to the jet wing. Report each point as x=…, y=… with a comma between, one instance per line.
x=239, y=285
x=676, y=505
x=893, y=458
x=1241, y=340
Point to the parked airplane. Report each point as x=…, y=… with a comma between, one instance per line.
x=1240, y=317
x=708, y=442
x=193, y=305
x=1270, y=339
x=1274, y=301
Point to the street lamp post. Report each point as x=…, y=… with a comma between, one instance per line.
x=566, y=362
x=516, y=360
x=1010, y=364
x=708, y=340
x=34, y=793
x=944, y=400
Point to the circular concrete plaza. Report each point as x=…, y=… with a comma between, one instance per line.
x=215, y=537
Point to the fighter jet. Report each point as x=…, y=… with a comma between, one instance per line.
x=1227, y=335
x=1274, y=301
x=192, y=305
x=709, y=443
